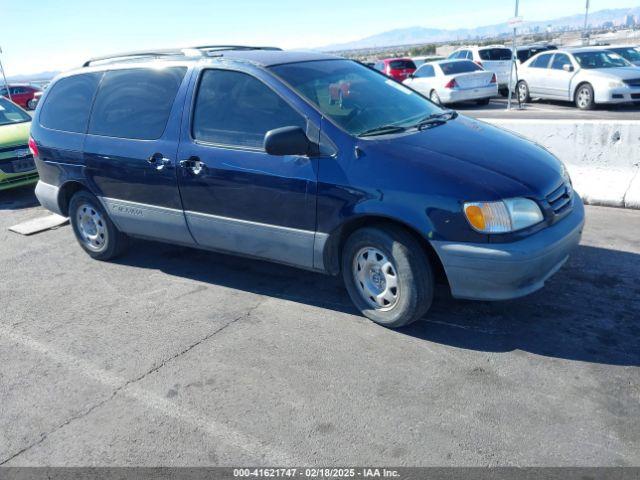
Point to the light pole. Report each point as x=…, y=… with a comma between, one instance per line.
x=4, y=76
x=585, y=36
x=514, y=57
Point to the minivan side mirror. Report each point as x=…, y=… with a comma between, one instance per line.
x=567, y=68
x=288, y=141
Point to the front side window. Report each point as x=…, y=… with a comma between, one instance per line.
x=370, y=102
x=135, y=103
x=10, y=113
x=236, y=109
x=495, y=54
x=600, y=59
x=68, y=103
x=463, y=66
x=559, y=61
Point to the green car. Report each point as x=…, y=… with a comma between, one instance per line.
x=16, y=162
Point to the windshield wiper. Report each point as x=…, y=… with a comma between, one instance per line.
x=382, y=130
x=436, y=119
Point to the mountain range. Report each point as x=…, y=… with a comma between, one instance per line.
x=419, y=35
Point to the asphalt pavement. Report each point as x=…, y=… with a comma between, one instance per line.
x=173, y=356
x=548, y=110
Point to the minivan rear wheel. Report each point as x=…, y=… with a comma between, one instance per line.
x=387, y=275
x=93, y=228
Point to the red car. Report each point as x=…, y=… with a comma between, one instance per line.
x=20, y=94
x=397, y=68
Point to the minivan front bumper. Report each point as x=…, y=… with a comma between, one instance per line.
x=501, y=271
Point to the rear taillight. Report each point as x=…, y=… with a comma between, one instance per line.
x=494, y=79
x=33, y=147
x=451, y=83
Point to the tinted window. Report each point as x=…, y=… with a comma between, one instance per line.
x=373, y=101
x=135, y=103
x=402, y=64
x=559, y=61
x=600, y=59
x=234, y=108
x=542, y=61
x=68, y=103
x=10, y=113
x=495, y=54
x=629, y=53
x=464, y=66
x=469, y=55
x=425, y=71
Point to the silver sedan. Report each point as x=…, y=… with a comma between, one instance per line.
x=586, y=76
x=453, y=81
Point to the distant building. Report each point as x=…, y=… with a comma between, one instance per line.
x=629, y=21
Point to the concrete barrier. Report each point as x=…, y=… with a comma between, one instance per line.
x=603, y=157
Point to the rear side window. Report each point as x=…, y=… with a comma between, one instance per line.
x=452, y=68
x=234, y=108
x=425, y=71
x=542, y=61
x=402, y=64
x=68, y=104
x=495, y=54
x=135, y=103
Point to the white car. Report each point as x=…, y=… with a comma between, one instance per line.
x=586, y=76
x=453, y=81
x=493, y=58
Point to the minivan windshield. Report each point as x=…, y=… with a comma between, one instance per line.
x=600, y=59
x=9, y=113
x=356, y=98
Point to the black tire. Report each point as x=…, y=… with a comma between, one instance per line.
x=522, y=92
x=108, y=241
x=483, y=102
x=412, y=270
x=504, y=92
x=435, y=98
x=584, y=97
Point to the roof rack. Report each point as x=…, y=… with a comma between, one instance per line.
x=171, y=52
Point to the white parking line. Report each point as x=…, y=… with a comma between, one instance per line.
x=151, y=400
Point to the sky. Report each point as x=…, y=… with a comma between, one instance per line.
x=42, y=35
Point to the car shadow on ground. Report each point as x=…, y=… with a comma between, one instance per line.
x=587, y=312
x=18, y=198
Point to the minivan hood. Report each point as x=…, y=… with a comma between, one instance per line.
x=489, y=160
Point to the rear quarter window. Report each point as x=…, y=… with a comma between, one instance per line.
x=135, y=103
x=68, y=104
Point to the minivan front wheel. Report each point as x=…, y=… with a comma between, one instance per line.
x=94, y=230
x=387, y=275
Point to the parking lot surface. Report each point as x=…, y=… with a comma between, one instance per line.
x=173, y=356
x=549, y=110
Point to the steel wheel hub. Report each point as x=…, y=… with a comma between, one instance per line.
x=92, y=227
x=376, y=278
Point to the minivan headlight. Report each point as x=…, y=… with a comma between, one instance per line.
x=504, y=216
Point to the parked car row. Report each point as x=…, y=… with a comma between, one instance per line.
x=586, y=76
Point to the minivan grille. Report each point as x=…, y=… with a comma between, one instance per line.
x=633, y=82
x=560, y=199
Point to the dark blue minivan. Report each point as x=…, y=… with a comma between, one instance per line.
x=306, y=159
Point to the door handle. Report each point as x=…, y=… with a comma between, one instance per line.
x=159, y=161
x=194, y=164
